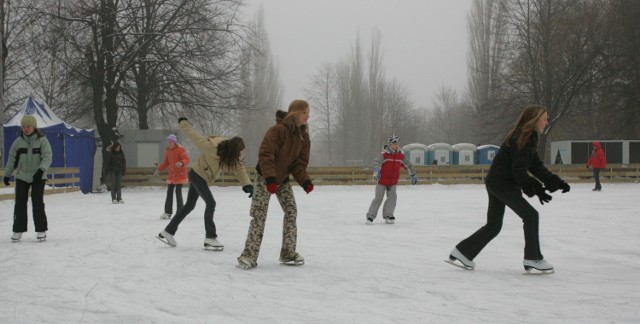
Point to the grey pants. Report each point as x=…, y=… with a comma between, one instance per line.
x=389, y=204
x=116, y=186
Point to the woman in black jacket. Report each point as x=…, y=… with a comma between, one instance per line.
x=116, y=167
x=507, y=176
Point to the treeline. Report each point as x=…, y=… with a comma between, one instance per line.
x=578, y=58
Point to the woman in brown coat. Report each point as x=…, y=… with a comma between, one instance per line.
x=284, y=151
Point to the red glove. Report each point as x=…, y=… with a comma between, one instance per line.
x=308, y=186
x=272, y=188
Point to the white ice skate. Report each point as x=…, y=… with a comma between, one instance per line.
x=167, y=238
x=114, y=201
x=16, y=237
x=462, y=261
x=120, y=201
x=213, y=244
x=369, y=221
x=41, y=236
x=390, y=220
x=537, y=267
x=245, y=264
x=165, y=216
x=295, y=259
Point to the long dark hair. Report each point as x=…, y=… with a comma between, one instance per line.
x=229, y=153
x=526, y=124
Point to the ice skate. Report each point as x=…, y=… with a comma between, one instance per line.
x=167, y=238
x=537, y=267
x=41, y=236
x=369, y=221
x=390, y=220
x=293, y=259
x=120, y=201
x=213, y=244
x=114, y=201
x=16, y=237
x=245, y=264
x=456, y=258
x=165, y=216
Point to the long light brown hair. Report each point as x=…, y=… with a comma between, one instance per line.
x=229, y=153
x=526, y=124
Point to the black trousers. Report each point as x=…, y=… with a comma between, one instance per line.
x=37, y=204
x=168, y=203
x=596, y=176
x=198, y=187
x=471, y=246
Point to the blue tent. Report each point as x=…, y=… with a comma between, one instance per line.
x=72, y=147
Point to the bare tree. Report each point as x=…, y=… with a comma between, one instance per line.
x=321, y=96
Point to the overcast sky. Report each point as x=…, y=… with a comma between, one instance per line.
x=424, y=42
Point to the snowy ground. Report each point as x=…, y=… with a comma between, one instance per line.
x=102, y=264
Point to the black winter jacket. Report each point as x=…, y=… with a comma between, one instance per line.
x=511, y=167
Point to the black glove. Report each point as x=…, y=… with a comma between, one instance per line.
x=181, y=119
x=6, y=181
x=531, y=187
x=543, y=196
x=248, y=189
x=38, y=175
x=564, y=186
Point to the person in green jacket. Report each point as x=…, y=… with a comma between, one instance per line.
x=30, y=157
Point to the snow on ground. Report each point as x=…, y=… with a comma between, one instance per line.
x=102, y=264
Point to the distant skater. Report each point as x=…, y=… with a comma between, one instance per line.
x=507, y=176
x=597, y=161
x=176, y=159
x=117, y=168
x=386, y=171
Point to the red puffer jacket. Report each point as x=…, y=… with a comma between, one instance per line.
x=177, y=175
x=597, y=160
x=390, y=163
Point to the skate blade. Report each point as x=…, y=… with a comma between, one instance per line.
x=292, y=263
x=208, y=247
x=163, y=240
x=14, y=241
x=42, y=239
x=461, y=266
x=536, y=272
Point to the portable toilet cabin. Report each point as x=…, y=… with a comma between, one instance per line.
x=486, y=153
x=417, y=153
x=440, y=154
x=464, y=154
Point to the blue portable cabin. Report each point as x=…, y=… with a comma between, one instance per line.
x=417, y=153
x=440, y=154
x=464, y=154
x=486, y=153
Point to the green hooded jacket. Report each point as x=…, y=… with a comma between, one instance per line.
x=27, y=155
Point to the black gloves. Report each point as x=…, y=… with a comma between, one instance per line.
x=531, y=187
x=181, y=119
x=248, y=189
x=38, y=175
x=543, y=196
x=564, y=186
x=6, y=181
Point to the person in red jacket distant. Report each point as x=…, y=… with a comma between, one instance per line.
x=597, y=161
x=386, y=171
x=176, y=159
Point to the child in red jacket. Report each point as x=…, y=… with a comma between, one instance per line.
x=386, y=171
x=176, y=159
x=597, y=161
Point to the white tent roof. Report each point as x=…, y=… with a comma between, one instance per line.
x=41, y=111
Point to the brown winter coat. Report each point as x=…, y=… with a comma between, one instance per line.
x=208, y=164
x=284, y=151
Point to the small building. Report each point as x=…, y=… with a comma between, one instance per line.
x=440, y=154
x=578, y=151
x=486, y=153
x=464, y=154
x=417, y=153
